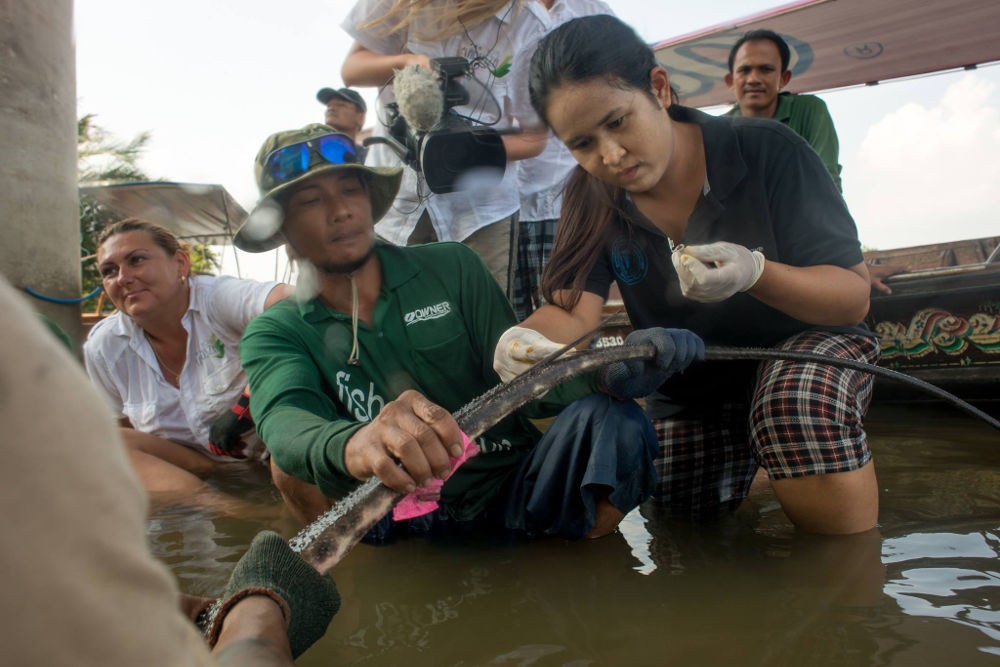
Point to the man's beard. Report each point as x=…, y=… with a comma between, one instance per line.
x=334, y=268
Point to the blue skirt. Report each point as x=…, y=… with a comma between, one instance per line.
x=596, y=447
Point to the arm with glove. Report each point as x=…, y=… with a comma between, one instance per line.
x=242, y=626
x=716, y=271
x=225, y=436
x=547, y=330
x=823, y=294
x=635, y=378
x=520, y=348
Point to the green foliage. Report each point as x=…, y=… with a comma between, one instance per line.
x=93, y=218
x=103, y=159
x=204, y=259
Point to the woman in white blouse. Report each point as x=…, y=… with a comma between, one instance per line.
x=168, y=361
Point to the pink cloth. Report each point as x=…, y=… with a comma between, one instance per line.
x=424, y=500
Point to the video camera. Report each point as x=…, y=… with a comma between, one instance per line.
x=455, y=145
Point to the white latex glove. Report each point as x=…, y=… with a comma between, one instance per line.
x=520, y=348
x=716, y=271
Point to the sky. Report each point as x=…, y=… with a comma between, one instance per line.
x=211, y=79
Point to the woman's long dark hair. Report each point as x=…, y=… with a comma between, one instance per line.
x=584, y=49
x=589, y=208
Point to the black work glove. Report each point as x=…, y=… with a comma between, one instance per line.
x=225, y=434
x=634, y=378
x=307, y=598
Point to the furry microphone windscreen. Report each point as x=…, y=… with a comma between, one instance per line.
x=420, y=98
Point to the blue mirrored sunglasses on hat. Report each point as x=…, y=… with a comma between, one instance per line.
x=290, y=162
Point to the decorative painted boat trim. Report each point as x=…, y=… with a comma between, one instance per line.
x=934, y=331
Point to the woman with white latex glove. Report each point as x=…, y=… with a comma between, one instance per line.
x=519, y=349
x=716, y=271
x=726, y=193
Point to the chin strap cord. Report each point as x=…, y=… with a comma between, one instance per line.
x=354, y=359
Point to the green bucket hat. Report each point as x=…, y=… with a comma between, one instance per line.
x=277, y=172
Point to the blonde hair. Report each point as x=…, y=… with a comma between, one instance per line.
x=436, y=19
x=160, y=235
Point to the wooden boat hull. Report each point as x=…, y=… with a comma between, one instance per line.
x=942, y=321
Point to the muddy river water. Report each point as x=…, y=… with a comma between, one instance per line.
x=924, y=589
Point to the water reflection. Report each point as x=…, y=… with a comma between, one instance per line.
x=948, y=576
x=746, y=590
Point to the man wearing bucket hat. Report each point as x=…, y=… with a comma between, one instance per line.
x=359, y=376
x=345, y=112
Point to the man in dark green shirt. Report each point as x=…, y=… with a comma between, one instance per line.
x=758, y=70
x=359, y=376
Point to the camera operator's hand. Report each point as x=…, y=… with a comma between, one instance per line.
x=364, y=67
x=416, y=59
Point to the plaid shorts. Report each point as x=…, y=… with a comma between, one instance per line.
x=534, y=245
x=803, y=419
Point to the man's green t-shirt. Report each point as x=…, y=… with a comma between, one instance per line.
x=435, y=326
x=808, y=116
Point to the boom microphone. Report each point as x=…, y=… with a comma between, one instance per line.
x=419, y=96
x=451, y=151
